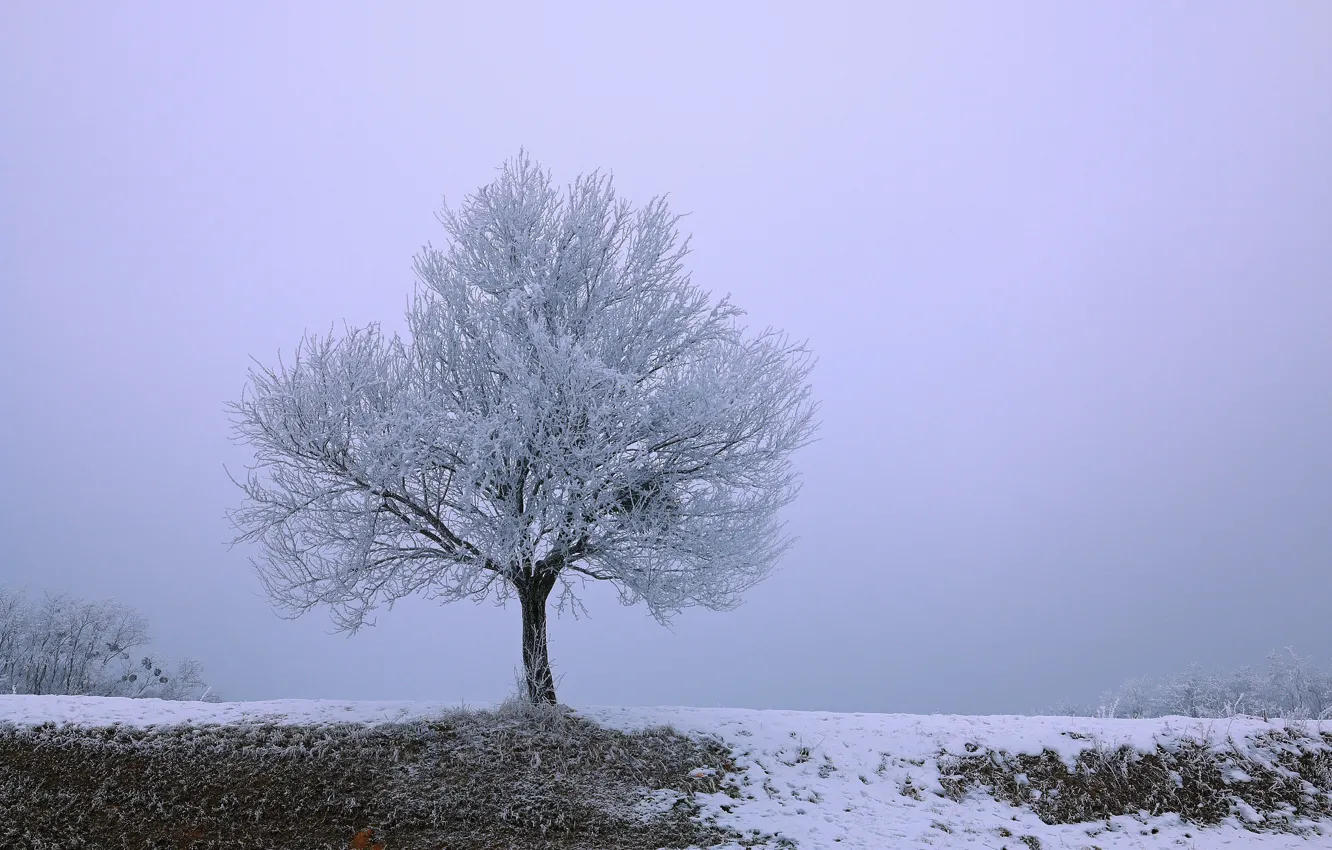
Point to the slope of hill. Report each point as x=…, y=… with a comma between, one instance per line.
x=740, y=778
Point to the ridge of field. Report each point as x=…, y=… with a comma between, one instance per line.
x=840, y=780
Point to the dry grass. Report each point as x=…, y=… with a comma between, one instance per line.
x=1284, y=776
x=521, y=776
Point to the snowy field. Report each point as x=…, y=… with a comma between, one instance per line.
x=823, y=780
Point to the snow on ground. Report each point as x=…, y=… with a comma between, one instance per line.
x=831, y=780
x=821, y=779
x=105, y=711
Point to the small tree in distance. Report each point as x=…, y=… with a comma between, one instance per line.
x=568, y=406
x=63, y=645
x=1292, y=687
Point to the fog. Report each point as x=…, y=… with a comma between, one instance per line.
x=1067, y=269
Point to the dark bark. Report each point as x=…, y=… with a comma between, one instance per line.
x=532, y=594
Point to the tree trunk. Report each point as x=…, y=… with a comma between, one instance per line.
x=533, y=594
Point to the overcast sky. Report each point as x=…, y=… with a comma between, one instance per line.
x=1067, y=269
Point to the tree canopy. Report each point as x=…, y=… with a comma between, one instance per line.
x=568, y=406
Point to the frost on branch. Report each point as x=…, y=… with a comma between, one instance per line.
x=567, y=406
x=63, y=645
x=1292, y=687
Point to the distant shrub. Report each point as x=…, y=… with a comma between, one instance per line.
x=63, y=645
x=1291, y=687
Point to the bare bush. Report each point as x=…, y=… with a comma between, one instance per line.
x=63, y=645
x=1291, y=687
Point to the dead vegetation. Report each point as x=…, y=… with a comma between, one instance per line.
x=1279, y=779
x=524, y=777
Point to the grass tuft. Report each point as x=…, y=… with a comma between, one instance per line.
x=519, y=776
x=1284, y=777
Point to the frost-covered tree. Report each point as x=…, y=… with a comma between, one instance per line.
x=1291, y=687
x=567, y=406
x=63, y=645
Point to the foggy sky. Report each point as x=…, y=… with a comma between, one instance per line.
x=1067, y=269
